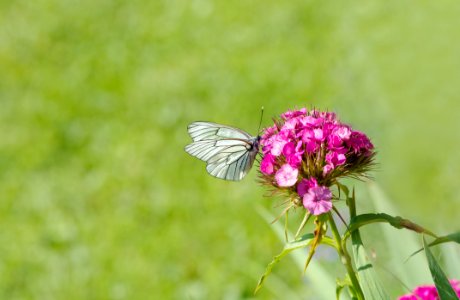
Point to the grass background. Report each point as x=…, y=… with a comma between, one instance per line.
x=98, y=198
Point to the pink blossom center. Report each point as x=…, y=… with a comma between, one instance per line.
x=318, y=200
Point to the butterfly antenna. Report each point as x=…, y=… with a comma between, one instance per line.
x=261, y=116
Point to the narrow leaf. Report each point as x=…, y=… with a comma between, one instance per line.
x=338, y=289
x=304, y=241
x=320, y=280
x=316, y=241
x=343, y=188
x=453, y=237
x=368, y=279
x=396, y=222
x=302, y=225
x=445, y=290
x=340, y=285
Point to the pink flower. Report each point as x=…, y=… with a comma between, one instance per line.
x=318, y=134
x=336, y=139
x=359, y=142
x=335, y=158
x=311, y=144
x=408, y=297
x=327, y=169
x=426, y=292
x=286, y=176
x=278, y=142
x=334, y=142
x=305, y=185
x=343, y=132
x=311, y=122
x=329, y=116
x=455, y=284
x=267, y=164
x=318, y=200
x=268, y=132
x=290, y=124
x=305, y=152
x=429, y=292
x=293, y=113
x=293, y=153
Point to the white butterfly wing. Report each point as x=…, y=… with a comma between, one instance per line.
x=200, y=131
x=229, y=152
x=232, y=167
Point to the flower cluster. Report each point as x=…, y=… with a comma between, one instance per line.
x=305, y=152
x=429, y=292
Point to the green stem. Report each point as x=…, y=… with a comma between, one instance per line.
x=345, y=258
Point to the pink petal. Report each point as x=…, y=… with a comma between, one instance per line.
x=267, y=164
x=286, y=176
x=318, y=200
x=318, y=133
x=327, y=169
x=305, y=185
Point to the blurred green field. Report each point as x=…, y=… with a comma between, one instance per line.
x=98, y=198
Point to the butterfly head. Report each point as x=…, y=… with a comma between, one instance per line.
x=256, y=144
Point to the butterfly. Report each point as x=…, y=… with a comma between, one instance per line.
x=229, y=152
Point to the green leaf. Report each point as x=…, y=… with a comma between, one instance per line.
x=302, y=242
x=322, y=282
x=370, y=284
x=339, y=288
x=396, y=222
x=343, y=188
x=453, y=237
x=340, y=285
x=445, y=290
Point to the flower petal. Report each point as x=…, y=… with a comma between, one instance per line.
x=286, y=176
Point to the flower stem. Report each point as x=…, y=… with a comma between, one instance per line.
x=345, y=258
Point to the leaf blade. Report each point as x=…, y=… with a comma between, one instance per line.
x=453, y=237
x=397, y=222
x=321, y=281
x=368, y=279
x=445, y=290
x=305, y=241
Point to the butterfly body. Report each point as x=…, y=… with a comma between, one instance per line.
x=229, y=152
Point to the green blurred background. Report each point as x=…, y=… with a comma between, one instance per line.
x=98, y=198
